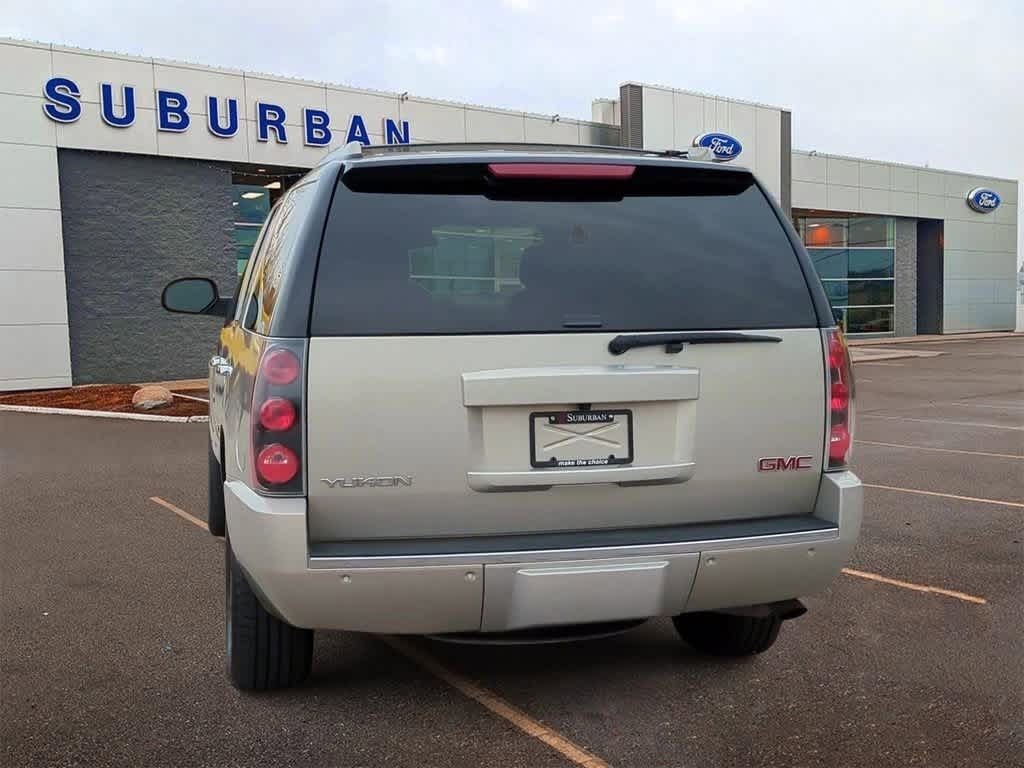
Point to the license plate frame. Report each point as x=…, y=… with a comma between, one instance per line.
x=598, y=418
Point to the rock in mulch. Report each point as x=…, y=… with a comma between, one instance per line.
x=113, y=398
x=148, y=398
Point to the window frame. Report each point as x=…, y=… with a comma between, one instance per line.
x=250, y=268
x=843, y=221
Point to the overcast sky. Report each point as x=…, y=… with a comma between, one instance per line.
x=938, y=82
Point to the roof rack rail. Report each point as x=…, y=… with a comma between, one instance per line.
x=354, y=149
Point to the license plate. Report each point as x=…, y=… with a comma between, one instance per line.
x=581, y=438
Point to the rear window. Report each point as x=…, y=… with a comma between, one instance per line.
x=449, y=250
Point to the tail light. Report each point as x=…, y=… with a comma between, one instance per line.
x=277, y=414
x=276, y=418
x=566, y=171
x=840, y=400
x=276, y=464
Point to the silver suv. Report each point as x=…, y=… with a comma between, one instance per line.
x=523, y=389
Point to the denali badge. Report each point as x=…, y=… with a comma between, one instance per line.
x=384, y=481
x=781, y=463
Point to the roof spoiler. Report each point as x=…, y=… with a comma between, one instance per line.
x=355, y=149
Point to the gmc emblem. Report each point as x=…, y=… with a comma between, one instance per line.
x=781, y=463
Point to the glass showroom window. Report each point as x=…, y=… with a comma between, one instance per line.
x=250, y=205
x=854, y=256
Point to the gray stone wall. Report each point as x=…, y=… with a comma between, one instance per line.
x=132, y=223
x=905, y=271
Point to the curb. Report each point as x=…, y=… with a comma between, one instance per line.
x=936, y=338
x=103, y=414
x=878, y=356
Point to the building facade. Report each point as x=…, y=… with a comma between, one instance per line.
x=124, y=172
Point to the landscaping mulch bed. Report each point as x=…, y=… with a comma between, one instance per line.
x=115, y=398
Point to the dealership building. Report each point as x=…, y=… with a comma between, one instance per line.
x=123, y=172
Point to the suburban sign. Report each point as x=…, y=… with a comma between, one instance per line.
x=63, y=105
x=722, y=145
x=983, y=200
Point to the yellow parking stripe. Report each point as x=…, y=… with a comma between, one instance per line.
x=942, y=421
x=561, y=744
x=946, y=495
x=180, y=513
x=916, y=587
x=498, y=705
x=942, y=450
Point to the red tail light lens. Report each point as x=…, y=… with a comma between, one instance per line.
x=840, y=439
x=280, y=367
x=277, y=464
x=575, y=171
x=276, y=419
x=277, y=414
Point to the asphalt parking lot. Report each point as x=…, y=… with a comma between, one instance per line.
x=111, y=637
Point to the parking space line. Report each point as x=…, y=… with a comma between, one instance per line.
x=1000, y=407
x=916, y=587
x=518, y=718
x=491, y=701
x=998, y=502
x=180, y=513
x=564, y=746
x=942, y=450
x=941, y=421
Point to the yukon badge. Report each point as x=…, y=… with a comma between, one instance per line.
x=783, y=463
x=381, y=481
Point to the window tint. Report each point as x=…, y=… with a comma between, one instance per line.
x=276, y=248
x=872, y=262
x=245, y=280
x=872, y=231
x=830, y=262
x=869, y=319
x=703, y=254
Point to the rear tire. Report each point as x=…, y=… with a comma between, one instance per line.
x=264, y=653
x=725, y=634
x=215, y=514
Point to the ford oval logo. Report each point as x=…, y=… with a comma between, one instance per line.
x=983, y=200
x=722, y=145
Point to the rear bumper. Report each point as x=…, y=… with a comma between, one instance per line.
x=498, y=591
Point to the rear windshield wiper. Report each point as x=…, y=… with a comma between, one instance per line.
x=674, y=341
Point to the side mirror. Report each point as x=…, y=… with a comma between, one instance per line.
x=194, y=296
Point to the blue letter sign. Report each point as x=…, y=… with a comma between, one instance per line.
x=317, y=134
x=62, y=102
x=357, y=131
x=107, y=106
x=270, y=116
x=213, y=118
x=391, y=133
x=170, y=111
